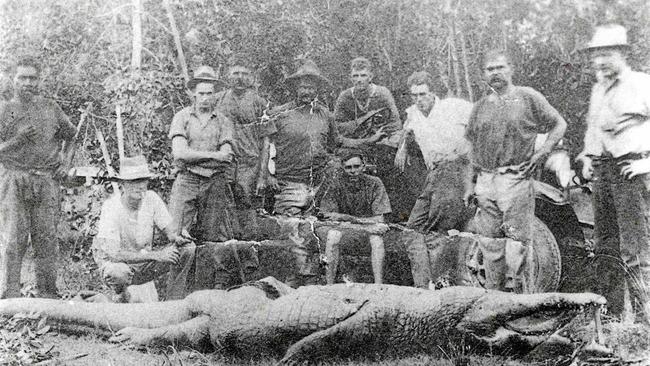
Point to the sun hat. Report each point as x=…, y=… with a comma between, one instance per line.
x=134, y=168
x=608, y=36
x=204, y=74
x=308, y=69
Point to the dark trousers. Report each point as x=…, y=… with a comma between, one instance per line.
x=622, y=228
x=29, y=207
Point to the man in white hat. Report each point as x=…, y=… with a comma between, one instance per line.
x=202, y=147
x=617, y=157
x=122, y=247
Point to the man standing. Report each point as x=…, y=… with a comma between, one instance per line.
x=123, y=245
x=244, y=107
x=358, y=198
x=617, y=156
x=202, y=146
x=304, y=135
x=502, y=130
x=438, y=128
x=359, y=112
x=32, y=132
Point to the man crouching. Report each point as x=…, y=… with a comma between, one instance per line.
x=125, y=232
x=361, y=199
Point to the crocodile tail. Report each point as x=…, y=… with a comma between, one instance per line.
x=99, y=318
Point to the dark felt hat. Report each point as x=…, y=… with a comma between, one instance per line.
x=308, y=69
x=204, y=74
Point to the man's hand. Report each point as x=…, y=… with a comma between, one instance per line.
x=179, y=240
x=222, y=156
x=587, y=168
x=529, y=167
x=272, y=183
x=26, y=134
x=467, y=195
x=379, y=134
x=167, y=255
x=400, y=158
x=335, y=216
x=632, y=168
x=61, y=172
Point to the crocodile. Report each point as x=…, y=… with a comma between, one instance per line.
x=314, y=323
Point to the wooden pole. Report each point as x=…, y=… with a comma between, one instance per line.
x=119, y=129
x=107, y=159
x=136, y=55
x=177, y=40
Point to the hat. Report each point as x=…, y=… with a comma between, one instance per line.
x=134, y=168
x=608, y=36
x=204, y=74
x=308, y=69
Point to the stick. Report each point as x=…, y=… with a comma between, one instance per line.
x=107, y=158
x=57, y=361
x=599, y=325
x=119, y=130
x=177, y=40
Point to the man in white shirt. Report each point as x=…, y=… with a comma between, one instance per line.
x=438, y=128
x=617, y=156
x=123, y=245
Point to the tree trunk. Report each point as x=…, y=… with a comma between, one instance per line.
x=136, y=55
x=468, y=82
x=454, y=56
x=177, y=40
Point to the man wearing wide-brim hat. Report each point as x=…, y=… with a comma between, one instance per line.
x=304, y=135
x=616, y=157
x=123, y=248
x=202, y=147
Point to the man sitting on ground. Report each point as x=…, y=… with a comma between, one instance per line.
x=358, y=198
x=125, y=232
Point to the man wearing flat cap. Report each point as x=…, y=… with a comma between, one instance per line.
x=616, y=156
x=122, y=247
x=202, y=145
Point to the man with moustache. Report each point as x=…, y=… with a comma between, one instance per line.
x=502, y=129
x=361, y=199
x=305, y=136
x=35, y=135
x=122, y=247
x=363, y=98
x=616, y=156
x=202, y=146
x=244, y=106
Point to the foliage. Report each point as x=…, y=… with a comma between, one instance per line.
x=22, y=342
x=85, y=46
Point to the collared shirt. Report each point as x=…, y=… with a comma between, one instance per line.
x=441, y=134
x=617, y=121
x=123, y=230
x=363, y=198
x=52, y=127
x=244, y=111
x=205, y=136
x=348, y=108
x=303, y=137
x=502, y=128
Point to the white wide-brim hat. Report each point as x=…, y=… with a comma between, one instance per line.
x=134, y=168
x=608, y=36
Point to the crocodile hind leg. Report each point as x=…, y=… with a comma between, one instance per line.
x=354, y=335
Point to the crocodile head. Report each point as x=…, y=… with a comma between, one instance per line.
x=518, y=324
